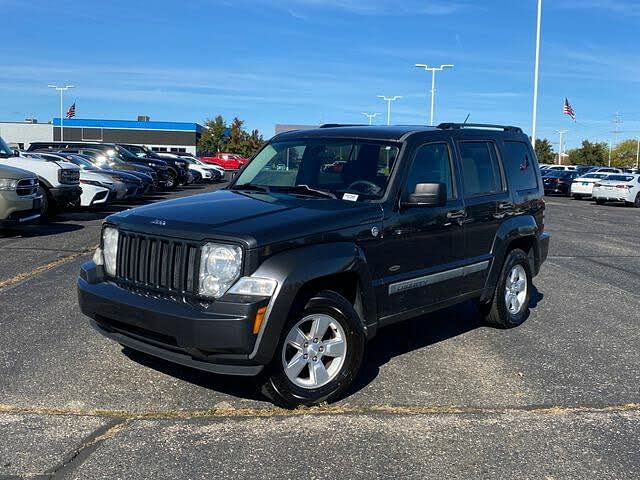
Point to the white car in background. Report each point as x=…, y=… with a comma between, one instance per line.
x=58, y=181
x=582, y=187
x=563, y=168
x=209, y=173
x=618, y=187
x=605, y=170
x=97, y=189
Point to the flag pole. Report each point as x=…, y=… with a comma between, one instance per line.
x=535, y=77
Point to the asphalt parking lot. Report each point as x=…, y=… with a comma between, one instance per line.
x=442, y=396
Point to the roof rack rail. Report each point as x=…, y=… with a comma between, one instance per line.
x=333, y=125
x=458, y=126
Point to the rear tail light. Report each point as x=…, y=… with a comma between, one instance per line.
x=597, y=184
x=623, y=186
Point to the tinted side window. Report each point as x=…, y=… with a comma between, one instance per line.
x=480, y=168
x=431, y=164
x=519, y=166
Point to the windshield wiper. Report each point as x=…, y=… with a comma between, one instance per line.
x=251, y=186
x=306, y=190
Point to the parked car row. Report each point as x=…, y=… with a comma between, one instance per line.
x=52, y=176
x=602, y=184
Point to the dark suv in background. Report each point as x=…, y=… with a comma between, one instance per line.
x=158, y=169
x=287, y=273
x=178, y=168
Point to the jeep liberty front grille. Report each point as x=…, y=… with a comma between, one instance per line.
x=157, y=264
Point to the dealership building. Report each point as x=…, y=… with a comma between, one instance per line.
x=160, y=136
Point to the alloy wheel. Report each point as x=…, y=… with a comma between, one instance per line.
x=314, y=351
x=516, y=289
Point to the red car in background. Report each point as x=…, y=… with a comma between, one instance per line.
x=228, y=161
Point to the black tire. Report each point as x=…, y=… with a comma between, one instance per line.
x=599, y=201
x=577, y=197
x=172, y=181
x=636, y=202
x=274, y=382
x=46, y=210
x=496, y=312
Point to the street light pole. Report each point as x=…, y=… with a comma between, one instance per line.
x=370, y=116
x=389, y=100
x=638, y=155
x=433, y=71
x=535, y=76
x=61, y=90
x=560, y=149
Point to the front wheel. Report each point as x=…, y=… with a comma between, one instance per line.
x=510, y=304
x=599, y=201
x=172, y=181
x=45, y=205
x=319, y=353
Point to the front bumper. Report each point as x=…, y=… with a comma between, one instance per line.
x=217, y=339
x=17, y=210
x=66, y=194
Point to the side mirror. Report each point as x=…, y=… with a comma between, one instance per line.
x=16, y=153
x=427, y=195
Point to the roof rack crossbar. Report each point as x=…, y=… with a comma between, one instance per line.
x=333, y=125
x=458, y=126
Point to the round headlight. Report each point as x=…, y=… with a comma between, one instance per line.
x=220, y=267
x=110, y=249
x=223, y=263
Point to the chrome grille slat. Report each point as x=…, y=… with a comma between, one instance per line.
x=157, y=264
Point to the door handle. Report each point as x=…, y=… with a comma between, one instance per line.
x=505, y=206
x=457, y=214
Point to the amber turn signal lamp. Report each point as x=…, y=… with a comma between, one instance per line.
x=259, y=318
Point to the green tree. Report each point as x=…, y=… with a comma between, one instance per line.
x=220, y=137
x=544, y=151
x=625, y=154
x=589, y=153
x=237, y=137
x=213, y=138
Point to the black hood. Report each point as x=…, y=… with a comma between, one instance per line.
x=256, y=218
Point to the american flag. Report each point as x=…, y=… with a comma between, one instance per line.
x=568, y=110
x=72, y=111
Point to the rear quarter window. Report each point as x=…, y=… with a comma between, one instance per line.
x=519, y=165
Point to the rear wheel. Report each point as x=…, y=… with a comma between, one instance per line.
x=319, y=353
x=577, y=197
x=510, y=304
x=599, y=201
x=636, y=202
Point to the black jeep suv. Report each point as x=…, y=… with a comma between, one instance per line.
x=324, y=237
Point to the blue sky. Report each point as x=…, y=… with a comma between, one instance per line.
x=310, y=61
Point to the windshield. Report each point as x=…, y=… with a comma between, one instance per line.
x=557, y=174
x=348, y=169
x=595, y=175
x=5, y=150
x=83, y=163
x=620, y=178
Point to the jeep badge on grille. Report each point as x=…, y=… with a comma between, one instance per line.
x=157, y=221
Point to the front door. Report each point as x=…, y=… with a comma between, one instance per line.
x=421, y=246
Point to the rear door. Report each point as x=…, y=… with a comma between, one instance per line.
x=487, y=203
